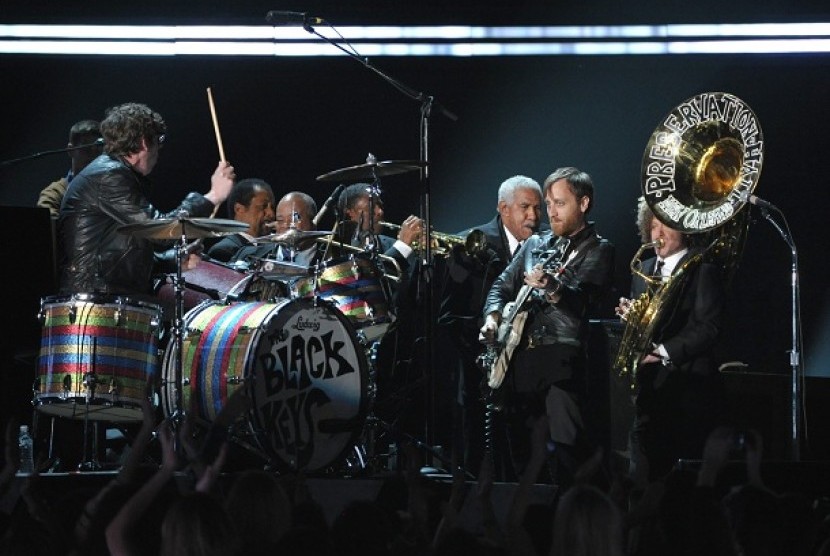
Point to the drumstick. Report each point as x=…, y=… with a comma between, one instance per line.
x=218, y=136
x=216, y=125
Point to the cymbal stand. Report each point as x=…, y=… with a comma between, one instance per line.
x=372, y=241
x=178, y=332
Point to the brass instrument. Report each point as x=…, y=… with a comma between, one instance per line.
x=699, y=169
x=473, y=243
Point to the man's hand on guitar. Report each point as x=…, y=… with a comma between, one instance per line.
x=537, y=278
x=487, y=334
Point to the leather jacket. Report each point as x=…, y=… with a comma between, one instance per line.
x=584, y=280
x=95, y=256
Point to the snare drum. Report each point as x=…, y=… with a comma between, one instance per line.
x=354, y=285
x=306, y=372
x=97, y=353
x=209, y=280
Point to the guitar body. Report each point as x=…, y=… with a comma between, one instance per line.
x=510, y=334
x=497, y=358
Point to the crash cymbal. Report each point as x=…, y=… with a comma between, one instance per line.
x=372, y=170
x=174, y=228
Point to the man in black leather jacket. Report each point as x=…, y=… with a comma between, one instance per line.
x=546, y=375
x=111, y=192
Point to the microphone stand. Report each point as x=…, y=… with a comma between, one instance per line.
x=46, y=153
x=428, y=103
x=795, y=359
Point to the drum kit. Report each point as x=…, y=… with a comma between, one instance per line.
x=299, y=339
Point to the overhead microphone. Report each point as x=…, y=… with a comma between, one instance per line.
x=283, y=17
x=335, y=195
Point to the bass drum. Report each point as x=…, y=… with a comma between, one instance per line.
x=305, y=370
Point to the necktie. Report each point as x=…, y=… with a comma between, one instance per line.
x=516, y=250
x=658, y=269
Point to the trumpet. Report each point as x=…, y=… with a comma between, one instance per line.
x=441, y=243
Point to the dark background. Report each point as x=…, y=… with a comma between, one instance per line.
x=289, y=120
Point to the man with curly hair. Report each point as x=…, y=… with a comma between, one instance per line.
x=111, y=192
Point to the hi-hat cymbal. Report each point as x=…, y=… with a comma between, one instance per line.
x=293, y=237
x=191, y=228
x=372, y=170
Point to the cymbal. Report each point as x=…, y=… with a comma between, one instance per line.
x=192, y=228
x=292, y=237
x=372, y=170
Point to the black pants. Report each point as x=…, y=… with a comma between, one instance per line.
x=548, y=381
x=675, y=411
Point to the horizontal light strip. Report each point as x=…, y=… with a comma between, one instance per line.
x=446, y=32
x=455, y=41
x=201, y=48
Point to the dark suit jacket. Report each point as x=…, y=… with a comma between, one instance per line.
x=690, y=324
x=225, y=249
x=466, y=282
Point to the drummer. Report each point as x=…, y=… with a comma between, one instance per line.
x=251, y=201
x=110, y=192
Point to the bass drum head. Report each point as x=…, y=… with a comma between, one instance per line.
x=310, y=385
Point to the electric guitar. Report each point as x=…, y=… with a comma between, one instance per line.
x=498, y=355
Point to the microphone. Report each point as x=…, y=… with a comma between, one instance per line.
x=328, y=204
x=282, y=17
x=757, y=201
x=97, y=143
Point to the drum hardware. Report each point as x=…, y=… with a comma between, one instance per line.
x=292, y=238
x=182, y=228
x=372, y=169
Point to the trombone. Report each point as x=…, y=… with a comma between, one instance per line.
x=473, y=243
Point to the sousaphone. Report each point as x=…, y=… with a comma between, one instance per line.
x=699, y=168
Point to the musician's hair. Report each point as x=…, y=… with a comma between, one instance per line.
x=508, y=188
x=126, y=125
x=308, y=201
x=243, y=193
x=580, y=183
x=84, y=131
x=351, y=195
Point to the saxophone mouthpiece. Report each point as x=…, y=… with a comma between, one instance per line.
x=657, y=243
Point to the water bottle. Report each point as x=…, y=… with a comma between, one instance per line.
x=27, y=448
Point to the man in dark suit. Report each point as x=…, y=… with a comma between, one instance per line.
x=251, y=201
x=678, y=396
x=467, y=280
